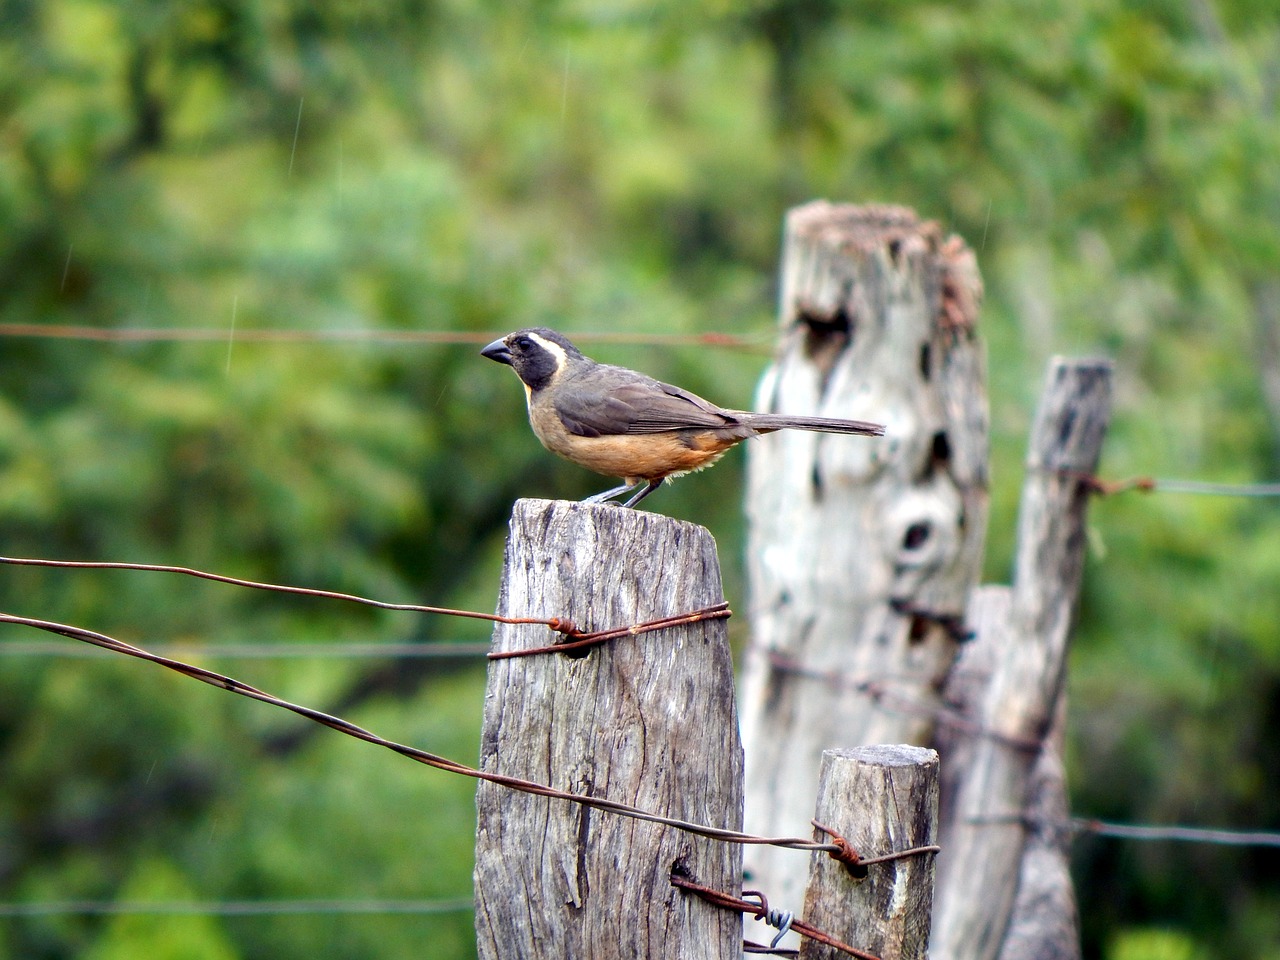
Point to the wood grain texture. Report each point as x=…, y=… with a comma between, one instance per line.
x=880, y=799
x=648, y=720
x=877, y=315
x=1044, y=923
x=1026, y=646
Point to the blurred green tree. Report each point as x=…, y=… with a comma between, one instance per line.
x=234, y=166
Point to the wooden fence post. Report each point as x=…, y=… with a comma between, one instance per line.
x=861, y=553
x=1023, y=637
x=648, y=720
x=873, y=797
x=1044, y=923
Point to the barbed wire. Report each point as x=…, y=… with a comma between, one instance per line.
x=1149, y=832
x=879, y=691
x=1128, y=831
x=839, y=849
x=301, y=650
x=572, y=636
x=1136, y=831
x=1107, y=488
x=558, y=624
x=874, y=688
x=231, y=685
x=56, y=331
x=231, y=908
x=762, y=341
x=760, y=910
x=1156, y=832
x=578, y=643
x=1217, y=489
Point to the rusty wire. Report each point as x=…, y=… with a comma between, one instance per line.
x=273, y=650
x=436, y=761
x=848, y=854
x=885, y=698
x=1105, y=488
x=760, y=910
x=558, y=624
x=574, y=638
x=232, y=908
x=57, y=331
x=1133, y=831
x=584, y=641
x=749, y=946
x=857, y=864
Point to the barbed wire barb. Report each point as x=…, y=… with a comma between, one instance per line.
x=760, y=910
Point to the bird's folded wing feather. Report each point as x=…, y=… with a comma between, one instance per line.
x=601, y=406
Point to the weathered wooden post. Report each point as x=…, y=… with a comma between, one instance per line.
x=1022, y=645
x=648, y=720
x=874, y=796
x=861, y=552
x=1044, y=923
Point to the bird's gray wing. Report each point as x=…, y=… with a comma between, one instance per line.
x=608, y=401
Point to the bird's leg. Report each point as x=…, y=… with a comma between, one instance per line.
x=610, y=494
x=653, y=485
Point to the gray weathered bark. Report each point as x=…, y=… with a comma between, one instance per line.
x=985, y=833
x=647, y=720
x=1044, y=923
x=859, y=550
x=1265, y=297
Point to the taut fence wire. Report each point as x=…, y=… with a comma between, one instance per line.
x=231, y=685
x=879, y=689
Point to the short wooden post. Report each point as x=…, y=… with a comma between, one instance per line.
x=985, y=830
x=648, y=720
x=861, y=552
x=875, y=797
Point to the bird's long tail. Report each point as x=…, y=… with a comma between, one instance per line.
x=768, y=422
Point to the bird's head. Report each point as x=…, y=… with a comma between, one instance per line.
x=535, y=353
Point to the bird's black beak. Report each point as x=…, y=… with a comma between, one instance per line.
x=497, y=351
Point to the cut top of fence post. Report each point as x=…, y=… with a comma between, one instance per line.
x=647, y=720
x=861, y=553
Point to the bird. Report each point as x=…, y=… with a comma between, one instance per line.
x=625, y=424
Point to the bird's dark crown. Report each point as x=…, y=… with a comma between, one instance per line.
x=551, y=336
x=537, y=354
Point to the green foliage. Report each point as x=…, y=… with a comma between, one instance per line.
x=1153, y=945
x=236, y=166
x=163, y=938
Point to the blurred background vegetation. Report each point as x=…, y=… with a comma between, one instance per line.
x=605, y=167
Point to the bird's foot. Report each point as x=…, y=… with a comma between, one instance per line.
x=610, y=494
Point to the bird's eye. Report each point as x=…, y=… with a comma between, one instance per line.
x=522, y=343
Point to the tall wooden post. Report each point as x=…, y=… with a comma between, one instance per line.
x=648, y=720
x=861, y=552
x=1022, y=637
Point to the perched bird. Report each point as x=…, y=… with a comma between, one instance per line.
x=624, y=424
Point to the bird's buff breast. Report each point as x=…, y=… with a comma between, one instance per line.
x=633, y=457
